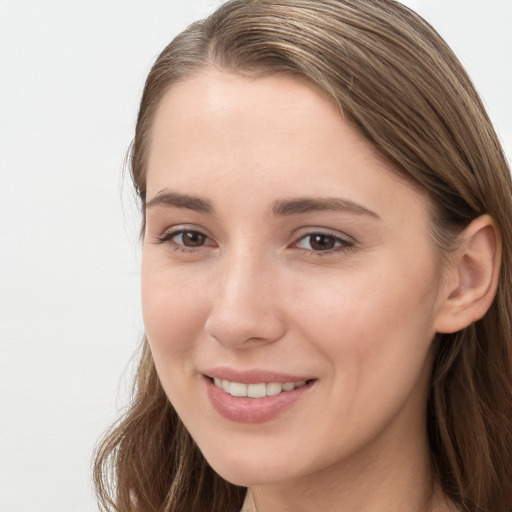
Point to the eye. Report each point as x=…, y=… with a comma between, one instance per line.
x=185, y=240
x=189, y=238
x=323, y=243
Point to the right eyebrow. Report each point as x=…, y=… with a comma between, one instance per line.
x=177, y=200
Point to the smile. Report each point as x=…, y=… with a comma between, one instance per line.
x=258, y=390
x=256, y=401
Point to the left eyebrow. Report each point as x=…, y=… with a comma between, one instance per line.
x=319, y=204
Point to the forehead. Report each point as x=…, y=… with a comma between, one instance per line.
x=278, y=104
x=218, y=131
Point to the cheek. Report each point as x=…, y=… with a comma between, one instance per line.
x=379, y=321
x=373, y=334
x=173, y=315
x=173, y=310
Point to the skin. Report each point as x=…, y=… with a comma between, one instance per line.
x=254, y=292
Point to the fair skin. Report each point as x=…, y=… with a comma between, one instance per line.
x=279, y=246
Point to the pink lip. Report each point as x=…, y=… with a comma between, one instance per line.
x=252, y=410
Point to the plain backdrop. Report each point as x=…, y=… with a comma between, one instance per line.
x=71, y=75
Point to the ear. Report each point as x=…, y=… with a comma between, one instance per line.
x=472, y=277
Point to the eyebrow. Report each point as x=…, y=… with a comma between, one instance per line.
x=177, y=200
x=281, y=207
x=319, y=204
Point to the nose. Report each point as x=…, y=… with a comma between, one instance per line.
x=245, y=308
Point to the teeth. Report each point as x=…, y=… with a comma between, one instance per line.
x=256, y=390
x=273, y=388
x=237, y=389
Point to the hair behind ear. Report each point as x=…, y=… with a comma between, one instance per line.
x=470, y=402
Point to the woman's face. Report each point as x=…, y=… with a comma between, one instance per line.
x=281, y=253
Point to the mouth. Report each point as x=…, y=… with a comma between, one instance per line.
x=259, y=400
x=256, y=390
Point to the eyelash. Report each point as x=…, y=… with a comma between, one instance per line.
x=341, y=244
x=168, y=236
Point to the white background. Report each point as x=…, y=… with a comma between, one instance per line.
x=71, y=74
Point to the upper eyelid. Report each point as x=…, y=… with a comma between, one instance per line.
x=181, y=228
x=343, y=243
x=308, y=231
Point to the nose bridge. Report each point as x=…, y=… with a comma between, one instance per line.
x=245, y=306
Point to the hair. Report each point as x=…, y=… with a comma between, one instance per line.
x=399, y=83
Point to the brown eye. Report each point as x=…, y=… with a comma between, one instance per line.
x=185, y=240
x=190, y=239
x=323, y=243
x=320, y=242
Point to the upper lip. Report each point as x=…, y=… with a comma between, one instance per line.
x=253, y=376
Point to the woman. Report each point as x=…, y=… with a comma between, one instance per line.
x=326, y=272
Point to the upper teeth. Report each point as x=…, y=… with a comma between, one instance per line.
x=256, y=390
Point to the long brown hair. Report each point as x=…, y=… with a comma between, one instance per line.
x=401, y=85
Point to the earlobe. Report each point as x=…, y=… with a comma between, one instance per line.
x=475, y=272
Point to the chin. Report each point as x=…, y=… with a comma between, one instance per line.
x=249, y=476
x=247, y=469
x=256, y=465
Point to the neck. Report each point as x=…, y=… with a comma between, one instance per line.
x=434, y=502
x=398, y=478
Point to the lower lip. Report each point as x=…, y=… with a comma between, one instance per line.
x=252, y=410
